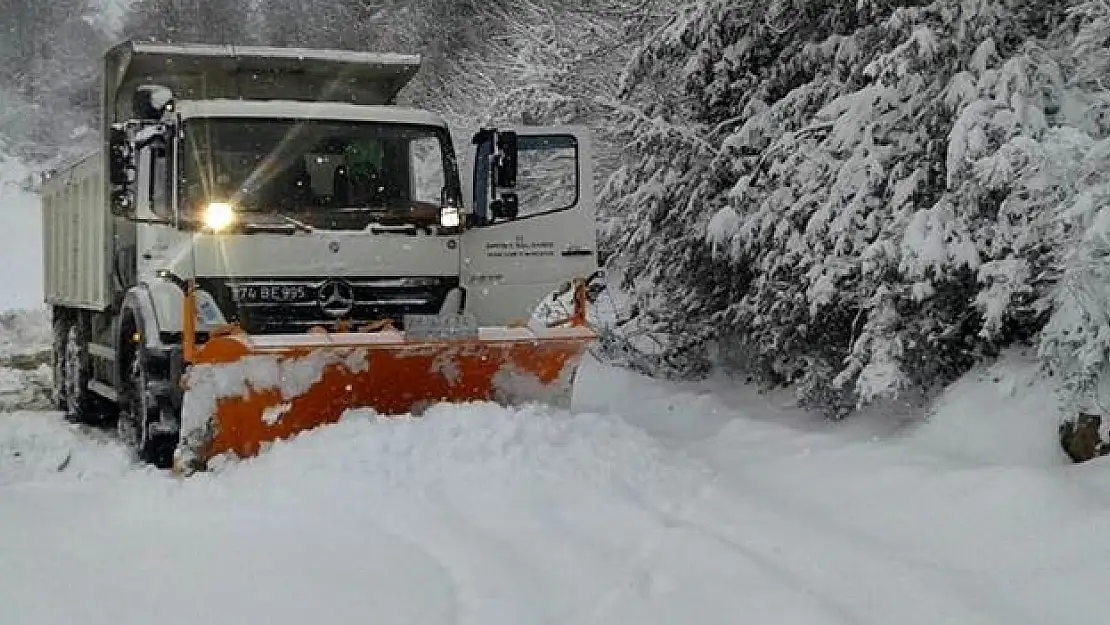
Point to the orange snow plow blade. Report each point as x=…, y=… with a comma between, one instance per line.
x=244, y=391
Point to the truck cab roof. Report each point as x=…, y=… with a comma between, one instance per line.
x=287, y=109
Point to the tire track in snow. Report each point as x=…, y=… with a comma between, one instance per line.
x=481, y=578
x=629, y=579
x=634, y=577
x=745, y=497
x=674, y=521
x=449, y=573
x=939, y=574
x=743, y=501
x=821, y=559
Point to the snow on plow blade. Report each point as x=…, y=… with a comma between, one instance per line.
x=243, y=391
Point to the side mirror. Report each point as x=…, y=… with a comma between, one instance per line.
x=121, y=170
x=121, y=165
x=505, y=165
x=150, y=101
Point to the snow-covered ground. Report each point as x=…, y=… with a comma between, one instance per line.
x=646, y=503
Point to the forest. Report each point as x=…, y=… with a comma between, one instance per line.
x=858, y=200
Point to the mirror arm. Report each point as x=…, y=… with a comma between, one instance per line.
x=501, y=199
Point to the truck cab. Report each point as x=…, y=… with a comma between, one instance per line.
x=290, y=215
x=285, y=190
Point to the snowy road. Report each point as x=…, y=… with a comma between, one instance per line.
x=646, y=504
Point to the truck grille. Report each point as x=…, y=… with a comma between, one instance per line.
x=293, y=305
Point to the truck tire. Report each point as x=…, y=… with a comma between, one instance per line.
x=73, y=371
x=141, y=408
x=61, y=330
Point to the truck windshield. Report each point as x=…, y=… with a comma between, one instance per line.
x=326, y=174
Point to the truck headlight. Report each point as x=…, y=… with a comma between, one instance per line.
x=219, y=215
x=449, y=217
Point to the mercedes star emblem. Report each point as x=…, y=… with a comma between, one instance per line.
x=336, y=298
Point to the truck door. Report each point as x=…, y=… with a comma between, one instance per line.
x=509, y=265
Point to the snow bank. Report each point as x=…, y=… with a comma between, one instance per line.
x=23, y=389
x=24, y=332
x=466, y=445
x=26, y=377
x=1006, y=412
x=37, y=447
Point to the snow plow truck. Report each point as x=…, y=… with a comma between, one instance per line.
x=265, y=239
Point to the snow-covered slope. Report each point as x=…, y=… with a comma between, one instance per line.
x=648, y=503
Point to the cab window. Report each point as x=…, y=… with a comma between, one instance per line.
x=547, y=173
x=160, y=181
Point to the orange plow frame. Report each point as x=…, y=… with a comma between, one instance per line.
x=242, y=391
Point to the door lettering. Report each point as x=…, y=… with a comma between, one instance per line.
x=519, y=247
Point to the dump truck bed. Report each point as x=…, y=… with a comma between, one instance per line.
x=212, y=72
x=76, y=236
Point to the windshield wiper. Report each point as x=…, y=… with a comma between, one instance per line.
x=297, y=223
x=289, y=223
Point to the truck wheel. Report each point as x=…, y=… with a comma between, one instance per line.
x=78, y=403
x=140, y=410
x=61, y=331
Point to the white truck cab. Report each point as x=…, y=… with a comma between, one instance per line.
x=289, y=187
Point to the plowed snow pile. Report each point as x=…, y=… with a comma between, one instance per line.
x=646, y=504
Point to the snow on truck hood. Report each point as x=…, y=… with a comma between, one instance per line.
x=287, y=109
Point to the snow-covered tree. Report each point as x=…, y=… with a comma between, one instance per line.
x=190, y=21
x=1071, y=168
x=853, y=197
x=48, y=77
x=532, y=62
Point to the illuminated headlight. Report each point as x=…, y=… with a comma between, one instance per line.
x=449, y=217
x=219, y=215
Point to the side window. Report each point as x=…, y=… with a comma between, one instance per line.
x=426, y=169
x=160, y=181
x=547, y=173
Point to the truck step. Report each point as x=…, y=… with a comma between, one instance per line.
x=105, y=391
x=103, y=352
x=163, y=428
x=159, y=388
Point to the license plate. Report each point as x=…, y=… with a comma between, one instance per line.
x=269, y=294
x=441, y=326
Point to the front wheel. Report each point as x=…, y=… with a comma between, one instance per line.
x=143, y=415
